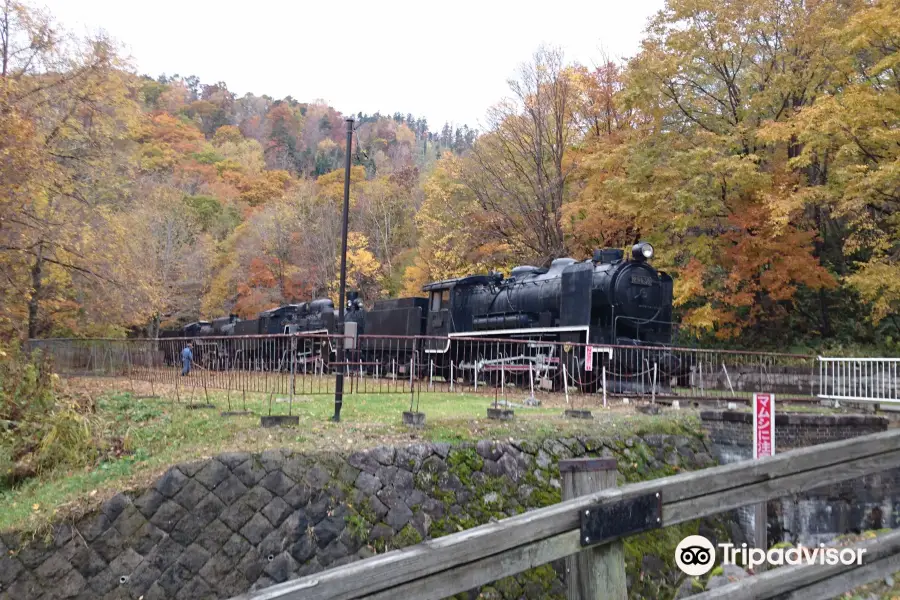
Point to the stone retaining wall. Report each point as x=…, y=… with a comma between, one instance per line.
x=220, y=527
x=821, y=513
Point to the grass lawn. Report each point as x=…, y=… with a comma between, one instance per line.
x=159, y=432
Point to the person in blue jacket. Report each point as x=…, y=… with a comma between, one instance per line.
x=186, y=357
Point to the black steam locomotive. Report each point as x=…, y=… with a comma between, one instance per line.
x=609, y=300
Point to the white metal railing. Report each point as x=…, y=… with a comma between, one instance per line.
x=860, y=379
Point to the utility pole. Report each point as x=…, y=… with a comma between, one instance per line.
x=339, y=382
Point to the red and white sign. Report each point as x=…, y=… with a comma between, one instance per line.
x=589, y=358
x=763, y=425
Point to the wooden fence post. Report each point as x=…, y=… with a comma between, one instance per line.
x=597, y=572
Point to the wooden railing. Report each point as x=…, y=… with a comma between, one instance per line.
x=442, y=567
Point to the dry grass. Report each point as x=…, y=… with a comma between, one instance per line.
x=160, y=431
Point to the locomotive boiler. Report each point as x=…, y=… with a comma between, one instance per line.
x=604, y=300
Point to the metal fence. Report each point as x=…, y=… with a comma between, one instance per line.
x=860, y=379
x=507, y=369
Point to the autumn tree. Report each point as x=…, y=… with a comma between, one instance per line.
x=692, y=172
x=844, y=148
x=521, y=168
x=69, y=110
x=450, y=243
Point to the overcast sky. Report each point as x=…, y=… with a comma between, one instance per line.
x=446, y=64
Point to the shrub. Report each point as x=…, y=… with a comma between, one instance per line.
x=42, y=428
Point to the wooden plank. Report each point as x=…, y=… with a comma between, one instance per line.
x=598, y=571
x=760, y=533
x=705, y=490
x=808, y=578
x=695, y=508
x=837, y=586
x=478, y=573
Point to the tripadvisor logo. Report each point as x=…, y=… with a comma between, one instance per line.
x=695, y=555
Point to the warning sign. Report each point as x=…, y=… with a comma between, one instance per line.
x=589, y=358
x=763, y=425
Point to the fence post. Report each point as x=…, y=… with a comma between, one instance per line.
x=451, y=376
x=597, y=572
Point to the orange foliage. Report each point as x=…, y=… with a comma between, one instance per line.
x=758, y=269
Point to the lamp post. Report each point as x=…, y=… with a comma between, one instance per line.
x=339, y=382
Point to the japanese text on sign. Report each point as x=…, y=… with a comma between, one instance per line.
x=763, y=425
x=589, y=358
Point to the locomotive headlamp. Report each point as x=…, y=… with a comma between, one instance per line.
x=642, y=251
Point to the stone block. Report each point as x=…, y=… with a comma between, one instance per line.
x=193, y=558
x=318, y=508
x=146, y=538
x=277, y=483
x=299, y=495
x=377, y=507
x=237, y=515
x=164, y=554
x=334, y=551
x=249, y=472
x=10, y=568
x=187, y=529
x=213, y=536
x=236, y=547
x=317, y=478
x=191, y=493
x=109, y=544
x=208, y=509
x=25, y=586
x=398, y=516
x=251, y=566
x=212, y=474
x=196, y=589
x=276, y=511
x=328, y=529
x=92, y=527
x=149, y=502
x=294, y=527
x=53, y=568
x=143, y=578
x=129, y=521
x=233, y=459
x=281, y=567
x=273, y=544
x=171, y=482
x=113, y=507
x=368, y=483
x=256, y=529
x=125, y=564
x=168, y=515
x=304, y=549
x=230, y=489
x=364, y=461
x=273, y=459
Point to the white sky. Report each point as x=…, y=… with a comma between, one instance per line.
x=446, y=63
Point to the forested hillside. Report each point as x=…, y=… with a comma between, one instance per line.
x=756, y=144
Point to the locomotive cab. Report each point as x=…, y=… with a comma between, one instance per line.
x=439, y=304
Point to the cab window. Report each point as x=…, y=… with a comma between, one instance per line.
x=435, y=301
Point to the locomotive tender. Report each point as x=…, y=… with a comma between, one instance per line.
x=606, y=300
